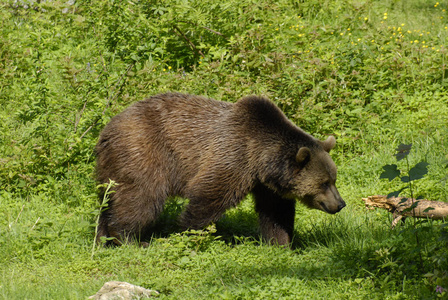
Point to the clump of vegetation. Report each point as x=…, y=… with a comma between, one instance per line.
x=372, y=73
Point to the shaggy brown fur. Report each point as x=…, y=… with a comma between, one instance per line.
x=212, y=153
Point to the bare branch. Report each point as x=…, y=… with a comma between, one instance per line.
x=199, y=52
x=78, y=117
x=206, y=28
x=110, y=100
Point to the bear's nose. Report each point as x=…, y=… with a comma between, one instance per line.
x=341, y=205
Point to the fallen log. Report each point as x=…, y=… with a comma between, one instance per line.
x=408, y=207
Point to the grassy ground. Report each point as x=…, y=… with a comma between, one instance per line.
x=372, y=73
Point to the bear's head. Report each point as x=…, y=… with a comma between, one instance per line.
x=314, y=179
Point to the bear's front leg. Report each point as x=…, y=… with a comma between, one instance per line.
x=276, y=216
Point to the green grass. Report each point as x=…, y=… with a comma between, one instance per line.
x=372, y=73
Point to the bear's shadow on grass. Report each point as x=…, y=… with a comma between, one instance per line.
x=234, y=226
x=238, y=225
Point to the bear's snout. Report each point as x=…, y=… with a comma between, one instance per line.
x=332, y=209
x=341, y=205
x=331, y=202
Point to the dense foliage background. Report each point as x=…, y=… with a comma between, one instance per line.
x=372, y=73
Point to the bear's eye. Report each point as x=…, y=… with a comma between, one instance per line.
x=326, y=185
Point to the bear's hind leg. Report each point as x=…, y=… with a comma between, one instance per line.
x=129, y=214
x=102, y=228
x=276, y=216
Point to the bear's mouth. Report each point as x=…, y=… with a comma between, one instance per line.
x=325, y=208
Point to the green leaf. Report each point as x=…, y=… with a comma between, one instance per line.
x=403, y=200
x=397, y=193
x=403, y=151
x=390, y=172
x=428, y=209
x=410, y=208
x=405, y=179
x=418, y=171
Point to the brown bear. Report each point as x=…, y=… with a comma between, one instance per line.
x=213, y=153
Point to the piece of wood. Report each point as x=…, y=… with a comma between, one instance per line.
x=408, y=207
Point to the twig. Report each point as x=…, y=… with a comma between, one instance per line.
x=35, y=223
x=109, y=101
x=18, y=216
x=102, y=207
x=19, y=213
x=206, y=28
x=199, y=52
x=78, y=117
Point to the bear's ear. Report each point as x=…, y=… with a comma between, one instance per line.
x=303, y=156
x=329, y=143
